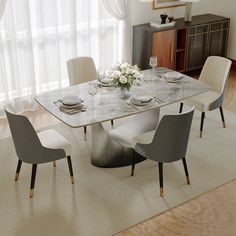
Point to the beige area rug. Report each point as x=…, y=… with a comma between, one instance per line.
x=106, y=201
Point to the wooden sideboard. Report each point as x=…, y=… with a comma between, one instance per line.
x=183, y=47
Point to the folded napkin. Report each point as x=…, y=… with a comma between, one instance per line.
x=70, y=111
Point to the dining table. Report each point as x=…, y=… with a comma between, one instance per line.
x=110, y=103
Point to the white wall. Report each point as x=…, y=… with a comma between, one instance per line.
x=143, y=13
x=228, y=8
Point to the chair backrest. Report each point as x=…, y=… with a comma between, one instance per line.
x=215, y=72
x=170, y=140
x=25, y=139
x=27, y=143
x=81, y=69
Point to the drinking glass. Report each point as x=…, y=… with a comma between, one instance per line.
x=92, y=90
x=153, y=64
x=101, y=74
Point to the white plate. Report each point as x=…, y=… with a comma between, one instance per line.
x=78, y=105
x=138, y=103
x=173, y=75
x=174, y=80
x=106, y=85
x=107, y=81
x=70, y=100
x=142, y=98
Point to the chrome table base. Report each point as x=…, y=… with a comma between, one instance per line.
x=107, y=153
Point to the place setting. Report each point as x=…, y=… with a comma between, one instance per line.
x=173, y=77
x=70, y=105
x=104, y=79
x=140, y=101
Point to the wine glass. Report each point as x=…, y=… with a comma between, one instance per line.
x=92, y=90
x=101, y=74
x=153, y=64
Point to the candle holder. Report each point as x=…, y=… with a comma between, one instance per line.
x=163, y=18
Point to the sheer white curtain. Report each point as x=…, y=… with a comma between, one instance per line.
x=37, y=37
x=121, y=10
x=2, y=7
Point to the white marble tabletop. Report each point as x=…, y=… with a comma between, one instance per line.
x=109, y=103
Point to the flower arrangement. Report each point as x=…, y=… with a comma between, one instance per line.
x=124, y=75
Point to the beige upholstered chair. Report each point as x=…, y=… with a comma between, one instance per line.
x=81, y=70
x=215, y=73
x=33, y=148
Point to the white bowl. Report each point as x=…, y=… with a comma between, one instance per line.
x=173, y=75
x=70, y=100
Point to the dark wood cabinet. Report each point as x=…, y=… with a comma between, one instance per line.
x=163, y=44
x=184, y=47
x=197, y=41
x=218, y=38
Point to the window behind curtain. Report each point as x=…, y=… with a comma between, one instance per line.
x=37, y=37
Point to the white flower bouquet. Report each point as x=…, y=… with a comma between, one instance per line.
x=124, y=75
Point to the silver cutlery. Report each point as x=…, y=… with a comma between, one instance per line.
x=158, y=100
x=132, y=105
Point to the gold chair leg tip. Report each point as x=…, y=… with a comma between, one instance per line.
x=161, y=192
x=224, y=124
x=54, y=164
x=31, y=193
x=72, y=179
x=200, y=134
x=188, y=180
x=16, y=177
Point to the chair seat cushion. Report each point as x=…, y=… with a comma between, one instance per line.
x=129, y=138
x=145, y=138
x=138, y=125
x=52, y=139
x=202, y=101
x=122, y=136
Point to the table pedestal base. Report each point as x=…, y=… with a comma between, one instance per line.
x=107, y=153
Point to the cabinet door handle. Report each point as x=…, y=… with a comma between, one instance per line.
x=171, y=53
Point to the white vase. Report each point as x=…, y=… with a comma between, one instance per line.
x=125, y=94
x=188, y=12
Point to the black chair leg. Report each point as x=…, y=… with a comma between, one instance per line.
x=181, y=107
x=70, y=169
x=160, y=165
x=133, y=164
x=202, y=122
x=33, y=176
x=85, y=133
x=222, y=117
x=112, y=124
x=18, y=169
x=186, y=170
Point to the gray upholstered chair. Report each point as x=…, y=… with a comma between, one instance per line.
x=33, y=148
x=164, y=142
x=82, y=70
x=215, y=73
x=168, y=143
